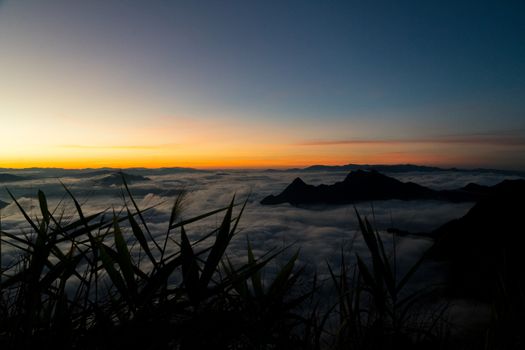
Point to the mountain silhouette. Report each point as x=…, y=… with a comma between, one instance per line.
x=485, y=246
x=87, y=174
x=3, y=204
x=116, y=179
x=396, y=168
x=361, y=185
x=11, y=178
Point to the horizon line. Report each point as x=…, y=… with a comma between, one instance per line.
x=270, y=167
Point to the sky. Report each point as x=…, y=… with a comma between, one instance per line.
x=127, y=83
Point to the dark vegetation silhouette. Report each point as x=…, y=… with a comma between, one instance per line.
x=104, y=281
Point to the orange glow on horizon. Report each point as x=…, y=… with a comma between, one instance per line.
x=232, y=148
x=232, y=161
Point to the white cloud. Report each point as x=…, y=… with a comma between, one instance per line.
x=319, y=233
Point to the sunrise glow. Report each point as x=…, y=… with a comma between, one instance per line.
x=79, y=89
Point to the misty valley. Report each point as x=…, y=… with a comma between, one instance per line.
x=448, y=235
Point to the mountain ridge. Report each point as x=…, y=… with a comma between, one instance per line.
x=12, y=178
x=364, y=185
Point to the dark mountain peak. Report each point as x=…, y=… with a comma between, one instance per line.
x=471, y=186
x=355, y=174
x=297, y=182
x=295, y=193
x=361, y=185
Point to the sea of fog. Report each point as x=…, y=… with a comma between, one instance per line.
x=320, y=233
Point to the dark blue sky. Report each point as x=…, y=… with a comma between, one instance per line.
x=340, y=70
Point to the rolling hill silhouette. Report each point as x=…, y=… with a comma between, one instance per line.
x=116, y=179
x=12, y=178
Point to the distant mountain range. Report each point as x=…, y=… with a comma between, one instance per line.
x=115, y=178
x=165, y=171
x=11, y=178
x=12, y=175
x=361, y=185
x=34, y=173
x=3, y=204
x=483, y=250
x=397, y=168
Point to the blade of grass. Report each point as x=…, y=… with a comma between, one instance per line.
x=190, y=269
x=221, y=242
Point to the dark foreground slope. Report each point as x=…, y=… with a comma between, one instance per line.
x=485, y=248
x=363, y=185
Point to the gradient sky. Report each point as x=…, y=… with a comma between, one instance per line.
x=261, y=83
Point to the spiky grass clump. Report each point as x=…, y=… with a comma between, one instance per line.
x=104, y=280
x=374, y=309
